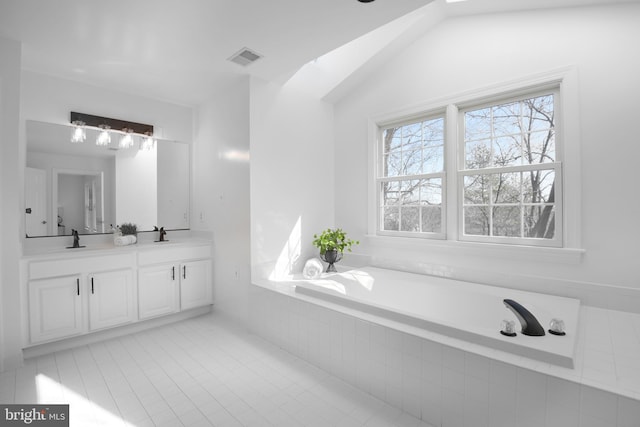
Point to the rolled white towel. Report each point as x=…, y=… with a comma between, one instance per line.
x=124, y=240
x=312, y=269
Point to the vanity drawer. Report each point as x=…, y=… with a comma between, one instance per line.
x=70, y=266
x=171, y=254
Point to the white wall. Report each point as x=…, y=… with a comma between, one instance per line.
x=11, y=157
x=221, y=192
x=292, y=177
x=50, y=99
x=470, y=53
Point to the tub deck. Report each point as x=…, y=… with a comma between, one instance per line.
x=462, y=310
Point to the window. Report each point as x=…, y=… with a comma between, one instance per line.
x=505, y=165
x=411, y=178
x=510, y=173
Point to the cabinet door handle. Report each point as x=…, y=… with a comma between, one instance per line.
x=184, y=271
x=78, y=286
x=173, y=273
x=92, y=285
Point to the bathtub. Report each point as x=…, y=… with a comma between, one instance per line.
x=462, y=310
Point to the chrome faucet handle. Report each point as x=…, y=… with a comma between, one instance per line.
x=556, y=327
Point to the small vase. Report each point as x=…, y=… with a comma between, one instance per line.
x=331, y=257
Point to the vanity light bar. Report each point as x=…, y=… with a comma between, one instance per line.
x=113, y=124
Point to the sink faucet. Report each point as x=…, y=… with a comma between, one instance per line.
x=530, y=325
x=76, y=240
x=161, y=234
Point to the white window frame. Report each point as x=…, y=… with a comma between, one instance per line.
x=441, y=175
x=566, y=80
x=547, y=89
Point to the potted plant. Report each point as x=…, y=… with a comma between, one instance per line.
x=332, y=244
x=128, y=228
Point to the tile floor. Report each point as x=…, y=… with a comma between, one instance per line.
x=204, y=371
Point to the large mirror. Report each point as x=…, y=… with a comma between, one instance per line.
x=89, y=188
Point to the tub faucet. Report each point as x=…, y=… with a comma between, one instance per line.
x=530, y=325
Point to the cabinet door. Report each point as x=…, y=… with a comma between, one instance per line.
x=110, y=299
x=55, y=308
x=195, y=284
x=158, y=290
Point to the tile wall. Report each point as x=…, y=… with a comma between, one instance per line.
x=441, y=385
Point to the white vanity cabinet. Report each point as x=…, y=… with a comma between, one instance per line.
x=173, y=279
x=55, y=308
x=70, y=296
x=158, y=290
x=111, y=299
x=195, y=284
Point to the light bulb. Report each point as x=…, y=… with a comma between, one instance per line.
x=148, y=142
x=127, y=139
x=104, y=138
x=78, y=133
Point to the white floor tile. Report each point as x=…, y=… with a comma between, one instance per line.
x=199, y=372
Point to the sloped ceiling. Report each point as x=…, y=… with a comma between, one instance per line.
x=178, y=51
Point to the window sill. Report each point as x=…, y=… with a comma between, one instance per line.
x=488, y=250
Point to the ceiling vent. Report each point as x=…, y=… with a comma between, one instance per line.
x=245, y=56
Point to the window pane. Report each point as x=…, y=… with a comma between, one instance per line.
x=506, y=187
x=431, y=191
x=391, y=218
x=506, y=119
x=537, y=113
x=506, y=221
x=410, y=218
x=541, y=147
x=391, y=193
x=507, y=151
x=539, y=221
x=478, y=154
x=476, y=189
x=477, y=124
x=412, y=136
x=433, y=159
x=538, y=186
x=433, y=132
x=392, y=139
x=476, y=220
x=410, y=192
x=393, y=164
x=411, y=162
x=431, y=219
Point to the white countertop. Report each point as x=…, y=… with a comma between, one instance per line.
x=57, y=247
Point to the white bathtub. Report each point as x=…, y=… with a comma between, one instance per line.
x=462, y=310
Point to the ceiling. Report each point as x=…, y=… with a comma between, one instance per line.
x=177, y=50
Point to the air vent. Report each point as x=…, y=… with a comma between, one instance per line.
x=245, y=56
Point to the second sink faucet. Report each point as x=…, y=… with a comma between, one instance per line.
x=530, y=325
x=161, y=234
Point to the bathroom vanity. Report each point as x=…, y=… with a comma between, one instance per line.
x=71, y=293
